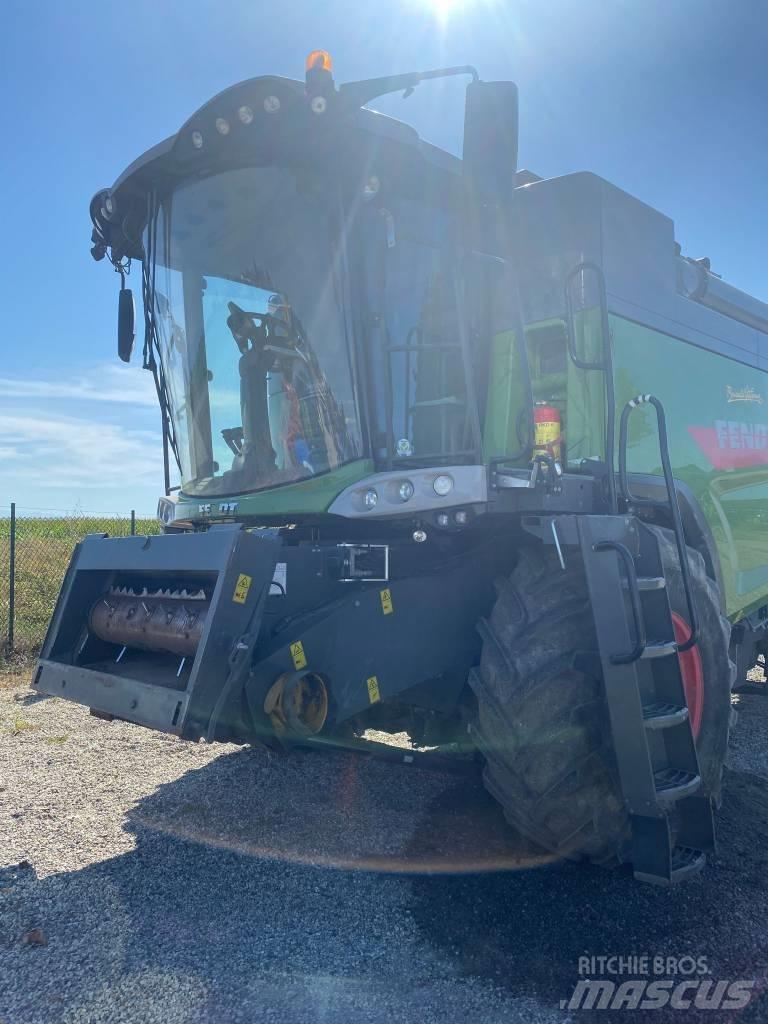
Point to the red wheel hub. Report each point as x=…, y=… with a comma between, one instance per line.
x=692, y=672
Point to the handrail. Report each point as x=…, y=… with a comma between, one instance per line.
x=671, y=489
x=604, y=365
x=634, y=600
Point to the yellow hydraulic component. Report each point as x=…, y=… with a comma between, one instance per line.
x=297, y=702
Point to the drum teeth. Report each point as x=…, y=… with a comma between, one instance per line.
x=163, y=592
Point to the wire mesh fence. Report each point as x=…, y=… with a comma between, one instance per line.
x=35, y=548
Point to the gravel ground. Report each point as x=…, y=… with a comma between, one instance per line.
x=143, y=879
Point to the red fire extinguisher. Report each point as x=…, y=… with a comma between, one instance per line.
x=547, y=431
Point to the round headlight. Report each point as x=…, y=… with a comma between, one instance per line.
x=405, y=490
x=271, y=104
x=442, y=485
x=222, y=126
x=197, y=140
x=319, y=104
x=245, y=114
x=443, y=519
x=370, y=498
x=461, y=517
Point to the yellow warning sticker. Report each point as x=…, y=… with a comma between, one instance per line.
x=386, y=601
x=373, y=689
x=298, y=655
x=242, y=587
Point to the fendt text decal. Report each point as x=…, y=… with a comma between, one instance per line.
x=745, y=394
x=731, y=444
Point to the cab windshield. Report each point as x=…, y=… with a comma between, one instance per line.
x=250, y=324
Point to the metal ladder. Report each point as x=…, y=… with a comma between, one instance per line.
x=658, y=771
x=671, y=821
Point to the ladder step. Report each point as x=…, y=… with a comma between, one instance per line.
x=685, y=861
x=659, y=649
x=662, y=715
x=673, y=784
x=451, y=401
x=651, y=583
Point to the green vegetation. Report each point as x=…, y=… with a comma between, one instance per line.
x=43, y=550
x=22, y=725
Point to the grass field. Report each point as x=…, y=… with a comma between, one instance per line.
x=43, y=549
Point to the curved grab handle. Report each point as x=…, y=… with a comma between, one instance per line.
x=585, y=364
x=674, y=506
x=634, y=598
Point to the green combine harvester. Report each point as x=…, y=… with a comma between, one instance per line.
x=463, y=452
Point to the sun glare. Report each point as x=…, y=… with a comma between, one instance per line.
x=443, y=9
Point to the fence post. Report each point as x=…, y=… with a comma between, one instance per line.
x=12, y=579
x=133, y=522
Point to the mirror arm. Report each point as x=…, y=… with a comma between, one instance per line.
x=357, y=94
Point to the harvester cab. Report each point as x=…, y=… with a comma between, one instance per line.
x=402, y=392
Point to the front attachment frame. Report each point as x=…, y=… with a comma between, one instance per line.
x=237, y=566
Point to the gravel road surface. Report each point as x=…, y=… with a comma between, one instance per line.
x=143, y=879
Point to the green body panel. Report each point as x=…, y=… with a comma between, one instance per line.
x=718, y=440
x=304, y=498
x=717, y=422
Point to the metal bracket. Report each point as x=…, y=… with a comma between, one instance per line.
x=353, y=568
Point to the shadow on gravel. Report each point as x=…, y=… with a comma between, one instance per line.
x=223, y=900
x=261, y=884
x=339, y=810
x=30, y=697
x=526, y=931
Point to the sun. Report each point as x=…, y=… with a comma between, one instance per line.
x=443, y=9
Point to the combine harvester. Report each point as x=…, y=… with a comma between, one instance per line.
x=462, y=451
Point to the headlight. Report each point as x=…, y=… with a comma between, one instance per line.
x=442, y=485
x=370, y=498
x=166, y=510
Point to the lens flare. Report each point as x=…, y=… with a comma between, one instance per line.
x=444, y=9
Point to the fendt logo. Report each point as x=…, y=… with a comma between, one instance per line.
x=732, y=444
x=746, y=394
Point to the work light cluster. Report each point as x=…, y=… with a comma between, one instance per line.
x=245, y=115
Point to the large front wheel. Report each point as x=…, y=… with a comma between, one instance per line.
x=543, y=726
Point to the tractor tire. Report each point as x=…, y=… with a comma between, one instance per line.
x=542, y=725
x=718, y=669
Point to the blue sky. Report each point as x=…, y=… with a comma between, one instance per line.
x=667, y=99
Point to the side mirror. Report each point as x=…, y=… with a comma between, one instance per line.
x=490, y=139
x=126, y=324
